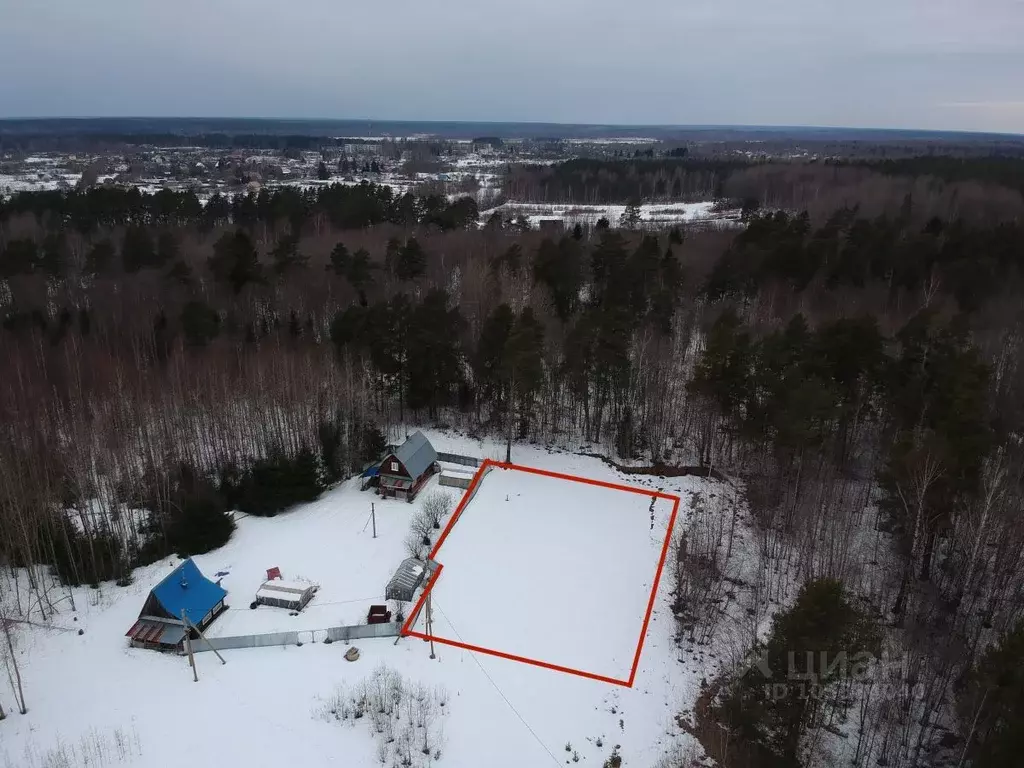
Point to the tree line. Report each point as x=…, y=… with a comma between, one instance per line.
x=976, y=189
x=166, y=365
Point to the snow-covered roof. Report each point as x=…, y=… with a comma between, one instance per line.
x=279, y=588
x=403, y=584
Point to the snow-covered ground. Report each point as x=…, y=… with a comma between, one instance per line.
x=651, y=214
x=551, y=570
x=260, y=709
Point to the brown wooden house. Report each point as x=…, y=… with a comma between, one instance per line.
x=407, y=468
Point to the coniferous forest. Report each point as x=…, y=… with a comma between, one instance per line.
x=852, y=354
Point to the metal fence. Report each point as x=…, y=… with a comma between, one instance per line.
x=450, y=480
x=358, y=631
x=454, y=458
x=334, y=634
x=247, y=641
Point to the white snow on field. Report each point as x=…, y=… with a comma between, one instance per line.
x=259, y=709
x=551, y=570
x=651, y=214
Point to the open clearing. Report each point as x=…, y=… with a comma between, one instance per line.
x=260, y=709
x=551, y=570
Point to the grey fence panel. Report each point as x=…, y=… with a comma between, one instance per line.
x=247, y=641
x=454, y=458
x=455, y=481
x=334, y=634
x=358, y=631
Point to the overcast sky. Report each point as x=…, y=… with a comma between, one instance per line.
x=952, y=64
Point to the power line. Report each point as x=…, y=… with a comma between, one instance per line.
x=500, y=693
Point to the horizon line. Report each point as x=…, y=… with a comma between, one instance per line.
x=436, y=121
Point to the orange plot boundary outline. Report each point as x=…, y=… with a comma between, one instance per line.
x=408, y=631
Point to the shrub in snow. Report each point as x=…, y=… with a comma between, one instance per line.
x=406, y=720
x=188, y=516
x=275, y=483
x=92, y=749
x=414, y=545
x=398, y=610
x=436, y=506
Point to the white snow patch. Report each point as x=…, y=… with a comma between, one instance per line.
x=552, y=570
x=258, y=709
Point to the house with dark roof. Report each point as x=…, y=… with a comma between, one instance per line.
x=407, y=468
x=184, y=600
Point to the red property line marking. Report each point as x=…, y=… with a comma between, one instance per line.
x=407, y=630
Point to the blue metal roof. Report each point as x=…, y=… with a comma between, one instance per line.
x=186, y=590
x=372, y=471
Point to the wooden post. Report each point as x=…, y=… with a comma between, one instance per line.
x=430, y=626
x=373, y=516
x=200, y=633
x=188, y=647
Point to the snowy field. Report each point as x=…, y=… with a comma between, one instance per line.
x=551, y=570
x=651, y=214
x=92, y=695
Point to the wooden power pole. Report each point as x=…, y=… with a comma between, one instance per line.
x=430, y=626
x=188, y=647
x=208, y=643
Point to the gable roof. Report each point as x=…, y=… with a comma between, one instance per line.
x=416, y=454
x=408, y=576
x=186, y=590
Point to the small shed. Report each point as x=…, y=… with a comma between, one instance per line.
x=378, y=614
x=407, y=468
x=406, y=581
x=183, y=595
x=294, y=595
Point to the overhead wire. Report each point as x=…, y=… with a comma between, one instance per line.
x=500, y=692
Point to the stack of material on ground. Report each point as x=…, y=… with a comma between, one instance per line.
x=294, y=595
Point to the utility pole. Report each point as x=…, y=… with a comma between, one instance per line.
x=200, y=633
x=188, y=647
x=373, y=516
x=430, y=626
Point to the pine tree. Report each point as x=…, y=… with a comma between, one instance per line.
x=234, y=261
x=631, y=217
x=823, y=638
x=137, y=249
x=340, y=260
x=992, y=704
x=411, y=260
x=434, y=352
x=359, y=272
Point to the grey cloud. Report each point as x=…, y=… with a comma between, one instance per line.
x=898, y=63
